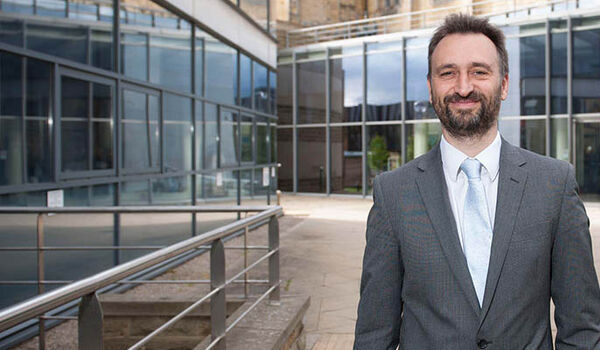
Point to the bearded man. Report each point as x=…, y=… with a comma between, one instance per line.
x=468, y=244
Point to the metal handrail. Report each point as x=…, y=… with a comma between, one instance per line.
x=416, y=20
x=41, y=304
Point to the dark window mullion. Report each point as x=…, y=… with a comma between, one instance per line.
x=149, y=131
x=24, y=176
x=90, y=127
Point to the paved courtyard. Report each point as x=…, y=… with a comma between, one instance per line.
x=322, y=256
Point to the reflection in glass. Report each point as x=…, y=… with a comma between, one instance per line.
x=221, y=185
x=11, y=163
x=134, y=61
x=245, y=81
x=229, y=138
x=533, y=95
x=273, y=143
x=39, y=85
x=384, y=151
x=528, y=134
x=171, y=190
x=588, y=158
x=199, y=61
x=260, y=187
x=420, y=138
x=39, y=159
x=245, y=184
x=272, y=92
x=247, y=131
x=262, y=140
x=346, y=89
x=74, y=125
x=11, y=32
x=140, y=130
x=285, y=157
x=512, y=106
x=261, y=100
x=311, y=92
x=558, y=82
x=586, y=71
x=560, y=142
x=103, y=195
x=68, y=42
x=417, y=94
x=178, y=133
x=285, y=98
x=19, y=6
x=311, y=160
x=384, y=86
x=135, y=193
x=211, y=130
x=346, y=160
x=11, y=110
x=171, y=60
x=198, y=129
x=75, y=149
x=221, y=72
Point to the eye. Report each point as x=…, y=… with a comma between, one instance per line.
x=446, y=74
x=480, y=72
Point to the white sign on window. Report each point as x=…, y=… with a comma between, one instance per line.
x=219, y=179
x=273, y=172
x=55, y=199
x=265, y=177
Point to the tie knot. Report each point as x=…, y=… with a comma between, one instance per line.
x=471, y=168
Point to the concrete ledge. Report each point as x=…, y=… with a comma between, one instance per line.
x=268, y=327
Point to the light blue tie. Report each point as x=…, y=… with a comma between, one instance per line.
x=477, y=230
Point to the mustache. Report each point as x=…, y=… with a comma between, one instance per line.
x=472, y=96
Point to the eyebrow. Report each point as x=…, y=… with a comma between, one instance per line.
x=474, y=64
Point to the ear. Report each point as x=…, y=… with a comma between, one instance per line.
x=504, y=87
x=429, y=88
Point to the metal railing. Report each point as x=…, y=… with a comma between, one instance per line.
x=90, y=313
x=418, y=20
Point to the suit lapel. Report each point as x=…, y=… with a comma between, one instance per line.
x=511, y=183
x=433, y=190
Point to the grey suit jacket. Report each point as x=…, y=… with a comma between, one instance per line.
x=416, y=290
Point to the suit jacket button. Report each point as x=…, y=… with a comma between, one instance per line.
x=482, y=344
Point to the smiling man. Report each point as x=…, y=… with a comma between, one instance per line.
x=468, y=244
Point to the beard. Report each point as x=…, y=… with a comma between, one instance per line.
x=468, y=123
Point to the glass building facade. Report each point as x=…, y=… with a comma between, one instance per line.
x=125, y=103
x=351, y=110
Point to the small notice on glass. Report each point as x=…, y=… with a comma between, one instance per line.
x=219, y=179
x=55, y=199
x=273, y=172
x=266, y=177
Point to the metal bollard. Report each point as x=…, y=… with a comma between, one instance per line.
x=274, y=260
x=218, y=308
x=90, y=323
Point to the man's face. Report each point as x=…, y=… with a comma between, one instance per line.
x=466, y=87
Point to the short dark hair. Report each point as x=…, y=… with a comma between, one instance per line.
x=462, y=24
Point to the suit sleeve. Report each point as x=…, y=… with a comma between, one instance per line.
x=574, y=287
x=380, y=305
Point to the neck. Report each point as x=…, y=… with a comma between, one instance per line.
x=472, y=146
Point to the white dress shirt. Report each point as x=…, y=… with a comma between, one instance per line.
x=458, y=183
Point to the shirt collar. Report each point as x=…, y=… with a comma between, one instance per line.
x=452, y=158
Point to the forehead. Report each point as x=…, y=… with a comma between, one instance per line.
x=465, y=49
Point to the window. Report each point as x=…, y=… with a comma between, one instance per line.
x=141, y=132
x=86, y=125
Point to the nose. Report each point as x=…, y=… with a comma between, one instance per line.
x=464, y=86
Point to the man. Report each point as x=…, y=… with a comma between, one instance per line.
x=467, y=244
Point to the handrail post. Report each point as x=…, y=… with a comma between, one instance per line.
x=90, y=323
x=218, y=308
x=274, y=259
x=40, y=277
